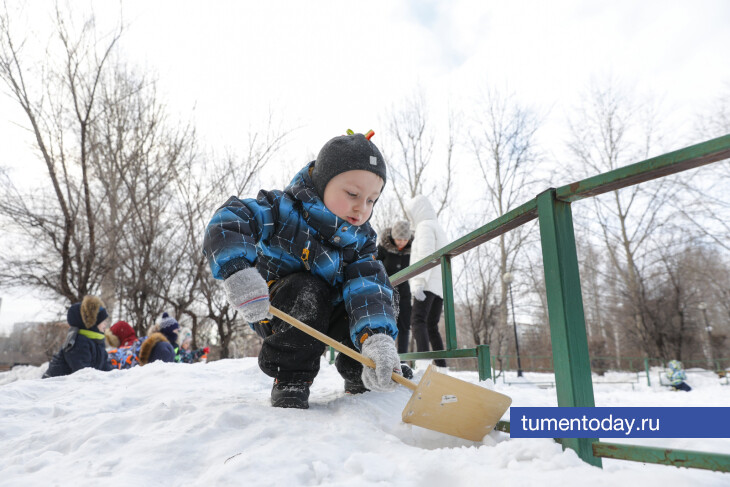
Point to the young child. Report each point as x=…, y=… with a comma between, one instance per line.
x=187, y=355
x=161, y=344
x=310, y=251
x=677, y=376
x=84, y=345
x=124, y=351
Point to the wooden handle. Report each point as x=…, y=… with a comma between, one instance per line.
x=337, y=345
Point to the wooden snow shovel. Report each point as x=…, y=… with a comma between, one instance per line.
x=439, y=402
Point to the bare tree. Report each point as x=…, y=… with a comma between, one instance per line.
x=233, y=175
x=414, y=139
x=503, y=142
x=480, y=302
x=61, y=107
x=703, y=202
x=611, y=131
x=139, y=158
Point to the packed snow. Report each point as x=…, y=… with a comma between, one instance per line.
x=212, y=424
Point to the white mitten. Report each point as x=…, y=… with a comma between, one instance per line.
x=380, y=348
x=418, y=292
x=247, y=291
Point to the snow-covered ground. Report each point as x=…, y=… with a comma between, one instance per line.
x=211, y=424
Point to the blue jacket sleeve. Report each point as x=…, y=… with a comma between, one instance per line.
x=235, y=229
x=368, y=298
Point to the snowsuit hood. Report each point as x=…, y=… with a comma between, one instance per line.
x=88, y=314
x=156, y=347
x=419, y=209
x=121, y=334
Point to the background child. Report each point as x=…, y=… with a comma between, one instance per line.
x=677, y=376
x=161, y=344
x=84, y=345
x=187, y=355
x=125, y=345
x=310, y=251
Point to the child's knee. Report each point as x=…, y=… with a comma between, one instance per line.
x=305, y=297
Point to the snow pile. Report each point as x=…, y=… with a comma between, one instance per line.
x=211, y=424
x=22, y=372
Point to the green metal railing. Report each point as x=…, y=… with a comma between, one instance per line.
x=571, y=359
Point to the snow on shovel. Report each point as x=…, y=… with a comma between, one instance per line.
x=439, y=402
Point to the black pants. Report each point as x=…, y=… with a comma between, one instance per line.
x=404, y=317
x=425, y=324
x=682, y=386
x=289, y=354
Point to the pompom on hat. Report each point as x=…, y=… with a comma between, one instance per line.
x=89, y=313
x=167, y=326
x=168, y=323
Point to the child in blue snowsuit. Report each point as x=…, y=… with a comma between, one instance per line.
x=677, y=376
x=310, y=251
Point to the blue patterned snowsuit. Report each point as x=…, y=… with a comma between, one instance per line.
x=291, y=231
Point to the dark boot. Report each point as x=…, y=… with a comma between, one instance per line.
x=355, y=387
x=439, y=362
x=293, y=394
x=406, y=370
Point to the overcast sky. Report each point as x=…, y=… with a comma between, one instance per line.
x=325, y=66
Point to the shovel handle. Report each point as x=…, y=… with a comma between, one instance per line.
x=337, y=345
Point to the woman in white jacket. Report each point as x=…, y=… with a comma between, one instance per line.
x=426, y=287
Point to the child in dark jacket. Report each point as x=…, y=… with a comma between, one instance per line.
x=84, y=345
x=161, y=344
x=310, y=251
x=394, y=250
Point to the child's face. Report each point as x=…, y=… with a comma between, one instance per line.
x=351, y=195
x=103, y=325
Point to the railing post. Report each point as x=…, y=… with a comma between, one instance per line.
x=449, y=319
x=646, y=367
x=484, y=362
x=565, y=310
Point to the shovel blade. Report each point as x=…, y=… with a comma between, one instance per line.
x=455, y=407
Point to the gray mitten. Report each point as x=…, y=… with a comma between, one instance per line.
x=417, y=288
x=380, y=348
x=247, y=291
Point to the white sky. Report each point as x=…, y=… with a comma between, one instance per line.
x=326, y=66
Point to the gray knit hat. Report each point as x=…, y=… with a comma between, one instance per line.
x=346, y=153
x=401, y=230
x=168, y=322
